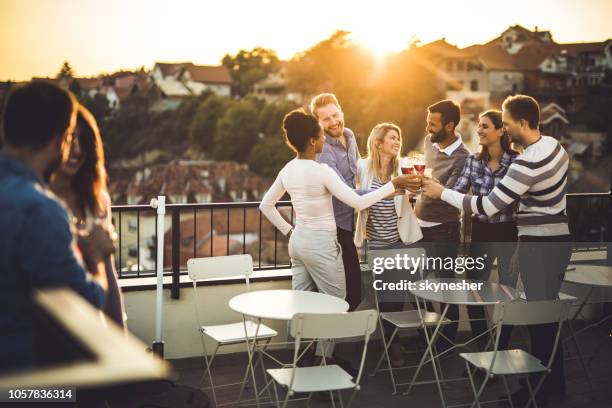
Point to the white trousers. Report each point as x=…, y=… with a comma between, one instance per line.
x=316, y=258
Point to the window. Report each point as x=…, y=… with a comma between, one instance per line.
x=132, y=225
x=460, y=66
x=133, y=252
x=473, y=85
x=449, y=66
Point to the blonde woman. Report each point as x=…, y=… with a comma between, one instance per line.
x=389, y=223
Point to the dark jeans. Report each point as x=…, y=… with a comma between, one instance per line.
x=495, y=241
x=542, y=268
x=392, y=275
x=352, y=271
x=443, y=241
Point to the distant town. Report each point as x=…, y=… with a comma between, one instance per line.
x=573, y=82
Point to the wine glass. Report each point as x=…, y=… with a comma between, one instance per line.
x=406, y=165
x=419, y=163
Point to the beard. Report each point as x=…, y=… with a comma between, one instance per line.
x=514, y=137
x=438, y=136
x=339, y=131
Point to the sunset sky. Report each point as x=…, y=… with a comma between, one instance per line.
x=96, y=36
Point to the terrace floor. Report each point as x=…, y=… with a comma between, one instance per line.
x=377, y=392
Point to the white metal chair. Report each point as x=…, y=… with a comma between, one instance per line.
x=306, y=327
x=225, y=334
x=407, y=319
x=517, y=361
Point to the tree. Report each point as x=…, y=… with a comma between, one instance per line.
x=249, y=67
x=269, y=155
x=65, y=71
x=397, y=89
x=98, y=106
x=271, y=117
x=237, y=132
x=203, y=127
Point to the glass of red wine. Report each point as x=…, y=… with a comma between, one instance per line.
x=406, y=165
x=419, y=164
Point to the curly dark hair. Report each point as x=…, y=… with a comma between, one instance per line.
x=299, y=128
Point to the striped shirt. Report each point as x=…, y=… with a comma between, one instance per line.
x=381, y=227
x=478, y=177
x=538, y=180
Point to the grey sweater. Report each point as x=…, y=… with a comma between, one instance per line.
x=446, y=169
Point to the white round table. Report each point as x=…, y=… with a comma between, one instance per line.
x=590, y=275
x=284, y=304
x=280, y=305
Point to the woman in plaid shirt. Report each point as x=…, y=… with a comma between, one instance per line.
x=492, y=237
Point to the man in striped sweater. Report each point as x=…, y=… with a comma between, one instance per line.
x=538, y=181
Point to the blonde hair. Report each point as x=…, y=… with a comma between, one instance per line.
x=322, y=100
x=377, y=135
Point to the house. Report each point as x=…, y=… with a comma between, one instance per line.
x=553, y=121
x=522, y=61
x=86, y=86
x=167, y=70
x=185, y=78
x=272, y=89
x=197, y=182
x=200, y=78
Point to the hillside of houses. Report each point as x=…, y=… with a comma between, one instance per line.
x=168, y=126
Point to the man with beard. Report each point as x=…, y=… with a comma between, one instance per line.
x=445, y=155
x=340, y=152
x=538, y=180
x=37, y=248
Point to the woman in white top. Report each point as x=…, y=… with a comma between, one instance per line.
x=389, y=223
x=314, y=250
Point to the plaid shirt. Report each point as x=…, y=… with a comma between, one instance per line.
x=477, y=175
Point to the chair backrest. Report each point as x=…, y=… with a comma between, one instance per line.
x=333, y=325
x=524, y=313
x=220, y=267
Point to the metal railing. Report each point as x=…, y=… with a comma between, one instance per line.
x=213, y=229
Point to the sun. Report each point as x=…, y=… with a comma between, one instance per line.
x=381, y=42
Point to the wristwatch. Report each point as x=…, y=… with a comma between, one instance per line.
x=289, y=233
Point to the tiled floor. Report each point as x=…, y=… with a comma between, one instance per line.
x=376, y=391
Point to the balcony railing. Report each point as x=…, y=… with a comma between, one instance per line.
x=214, y=229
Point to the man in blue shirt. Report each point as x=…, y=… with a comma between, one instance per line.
x=37, y=247
x=340, y=152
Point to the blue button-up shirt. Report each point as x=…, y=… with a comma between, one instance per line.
x=344, y=162
x=479, y=177
x=37, y=250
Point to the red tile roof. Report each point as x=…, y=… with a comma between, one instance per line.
x=201, y=73
x=190, y=179
x=209, y=74
x=171, y=68
x=579, y=48
x=89, y=83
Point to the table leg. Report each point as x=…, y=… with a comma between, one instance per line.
x=251, y=352
x=429, y=351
